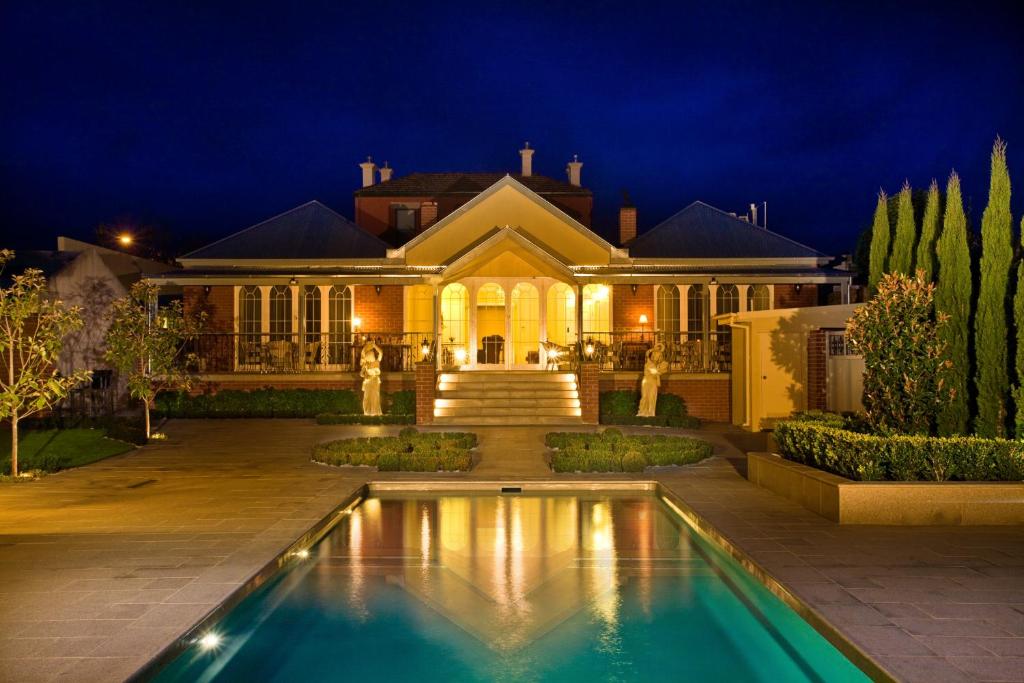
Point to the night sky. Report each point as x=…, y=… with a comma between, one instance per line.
x=203, y=121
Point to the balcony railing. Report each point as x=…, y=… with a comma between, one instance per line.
x=226, y=352
x=690, y=352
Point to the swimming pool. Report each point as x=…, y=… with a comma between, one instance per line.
x=553, y=587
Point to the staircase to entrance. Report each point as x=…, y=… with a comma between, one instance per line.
x=526, y=397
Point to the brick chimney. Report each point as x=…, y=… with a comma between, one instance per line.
x=573, y=169
x=527, y=154
x=385, y=172
x=368, y=167
x=627, y=219
x=428, y=214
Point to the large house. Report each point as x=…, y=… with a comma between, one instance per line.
x=462, y=272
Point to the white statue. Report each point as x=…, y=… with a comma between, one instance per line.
x=654, y=367
x=369, y=370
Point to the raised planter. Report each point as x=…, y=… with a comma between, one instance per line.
x=906, y=503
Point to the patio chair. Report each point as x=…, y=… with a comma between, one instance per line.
x=279, y=353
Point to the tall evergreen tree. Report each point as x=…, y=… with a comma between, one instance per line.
x=1018, y=318
x=879, y=242
x=992, y=380
x=901, y=260
x=925, y=259
x=953, y=297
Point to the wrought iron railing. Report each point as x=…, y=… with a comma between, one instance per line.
x=228, y=352
x=690, y=352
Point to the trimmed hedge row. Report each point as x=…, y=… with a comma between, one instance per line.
x=410, y=451
x=270, y=402
x=867, y=457
x=620, y=407
x=611, y=451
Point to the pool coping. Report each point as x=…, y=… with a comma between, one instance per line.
x=695, y=520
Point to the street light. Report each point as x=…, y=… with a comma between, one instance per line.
x=126, y=239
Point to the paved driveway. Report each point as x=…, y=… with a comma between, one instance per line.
x=101, y=567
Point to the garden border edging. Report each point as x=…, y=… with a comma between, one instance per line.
x=898, y=503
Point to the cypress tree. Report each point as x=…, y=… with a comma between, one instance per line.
x=992, y=380
x=953, y=297
x=1018, y=318
x=879, y=242
x=925, y=259
x=901, y=260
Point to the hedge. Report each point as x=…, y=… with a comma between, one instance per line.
x=612, y=451
x=868, y=457
x=620, y=407
x=270, y=402
x=410, y=451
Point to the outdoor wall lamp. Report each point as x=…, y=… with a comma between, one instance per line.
x=797, y=287
x=589, y=349
x=634, y=287
x=714, y=281
x=377, y=289
x=357, y=322
x=293, y=282
x=206, y=290
x=425, y=348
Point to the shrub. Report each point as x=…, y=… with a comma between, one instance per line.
x=611, y=451
x=270, y=402
x=633, y=461
x=616, y=406
x=868, y=457
x=389, y=462
x=401, y=403
x=411, y=451
x=407, y=433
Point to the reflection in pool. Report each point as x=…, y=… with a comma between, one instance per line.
x=517, y=588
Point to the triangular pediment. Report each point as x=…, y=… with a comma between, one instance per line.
x=506, y=253
x=508, y=203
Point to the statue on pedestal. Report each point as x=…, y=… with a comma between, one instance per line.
x=655, y=366
x=369, y=369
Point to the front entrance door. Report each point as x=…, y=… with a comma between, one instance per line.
x=491, y=327
x=524, y=325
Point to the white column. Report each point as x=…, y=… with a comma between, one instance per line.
x=744, y=291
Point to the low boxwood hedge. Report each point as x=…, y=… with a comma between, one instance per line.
x=620, y=408
x=270, y=402
x=410, y=451
x=612, y=451
x=868, y=457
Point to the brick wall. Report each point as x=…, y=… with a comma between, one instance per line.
x=627, y=307
x=627, y=224
x=786, y=296
x=589, y=391
x=707, y=397
x=426, y=385
x=817, y=370
x=219, y=306
x=379, y=312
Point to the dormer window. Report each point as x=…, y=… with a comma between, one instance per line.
x=404, y=218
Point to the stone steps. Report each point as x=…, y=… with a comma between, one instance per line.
x=522, y=397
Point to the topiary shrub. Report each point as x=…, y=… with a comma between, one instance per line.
x=401, y=403
x=633, y=461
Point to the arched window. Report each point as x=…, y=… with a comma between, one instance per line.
x=339, y=321
x=525, y=324
x=250, y=311
x=696, y=310
x=455, y=314
x=280, y=312
x=758, y=298
x=727, y=300
x=311, y=314
x=596, y=310
x=561, y=314
x=668, y=310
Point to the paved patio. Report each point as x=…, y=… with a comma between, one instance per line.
x=101, y=567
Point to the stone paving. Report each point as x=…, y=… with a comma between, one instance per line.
x=101, y=567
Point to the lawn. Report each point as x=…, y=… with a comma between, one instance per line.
x=410, y=451
x=612, y=451
x=51, y=450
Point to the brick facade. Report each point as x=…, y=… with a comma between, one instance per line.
x=787, y=296
x=817, y=370
x=590, y=391
x=627, y=307
x=219, y=306
x=426, y=387
x=707, y=397
x=627, y=224
x=382, y=312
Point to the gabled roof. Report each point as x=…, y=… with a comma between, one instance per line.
x=433, y=184
x=309, y=231
x=702, y=231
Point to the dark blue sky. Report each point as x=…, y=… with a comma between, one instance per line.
x=207, y=120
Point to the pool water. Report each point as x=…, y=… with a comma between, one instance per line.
x=588, y=587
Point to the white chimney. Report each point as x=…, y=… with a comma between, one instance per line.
x=385, y=172
x=527, y=154
x=368, y=167
x=573, y=169
x=753, y=213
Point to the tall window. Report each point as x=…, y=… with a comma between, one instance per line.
x=668, y=309
x=339, y=314
x=758, y=298
x=280, y=312
x=455, y=314
x=727, y=300
x=250, y=313
x=561, y=314
x=596, y=309
x=419, y=310
x=311, y=312
x=525, y=324
x=696, y=310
